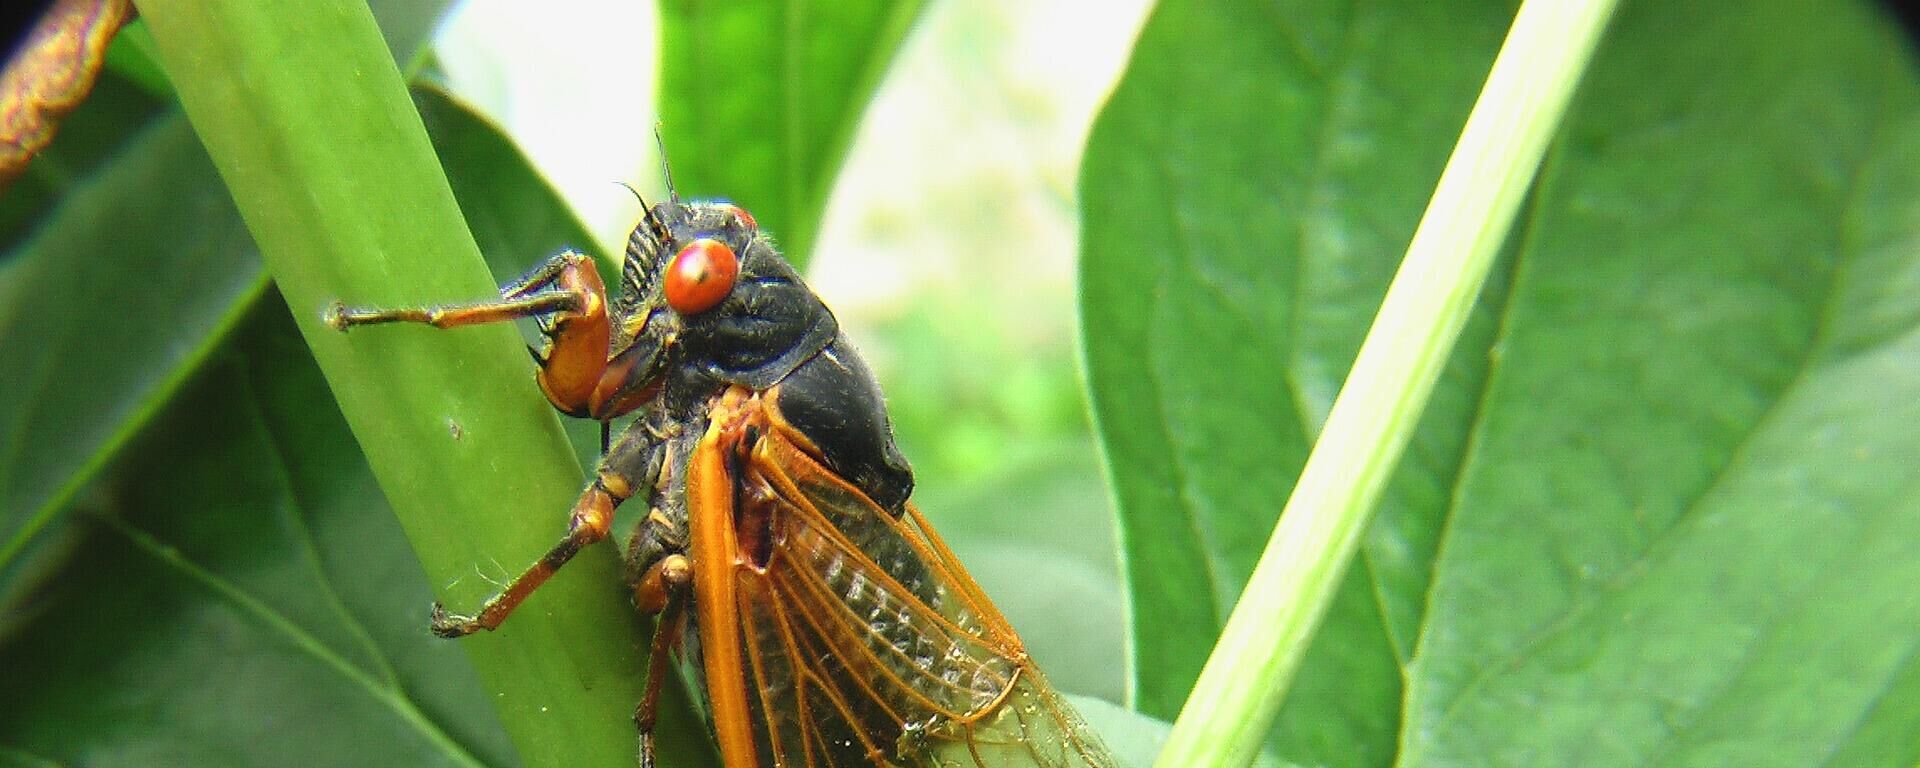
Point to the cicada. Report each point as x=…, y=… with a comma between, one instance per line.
x=827, y=623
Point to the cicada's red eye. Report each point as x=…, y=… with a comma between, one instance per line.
x=700, y=276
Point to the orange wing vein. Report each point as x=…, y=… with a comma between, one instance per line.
x=860, y=640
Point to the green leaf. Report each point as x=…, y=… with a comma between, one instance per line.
x=1221, y=309
x=1667, y=460
x=759, y=100
x=1684, y=533
x=110, y=306
x=241, y=561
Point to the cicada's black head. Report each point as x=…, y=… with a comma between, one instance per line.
x=707, y=300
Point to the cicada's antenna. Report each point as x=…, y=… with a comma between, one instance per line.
x=654, y=223
x=665, y=169
x=635, y=193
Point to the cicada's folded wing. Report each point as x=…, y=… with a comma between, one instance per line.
x=865, y=643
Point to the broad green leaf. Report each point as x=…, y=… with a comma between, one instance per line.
x=246, y=596
x=1668, y=460
x=1685, y=532
x=115, y=300
x=1243, y=210
x=759, y=100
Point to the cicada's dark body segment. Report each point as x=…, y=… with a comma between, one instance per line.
x=770, y=333
x=828, y=622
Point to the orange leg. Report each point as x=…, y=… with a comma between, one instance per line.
x=342, y=317
x=592, y=516
x=567, y=296
x=668, y=581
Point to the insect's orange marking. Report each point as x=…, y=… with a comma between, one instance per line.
x=807, y=605
x=767, y=704
x=1007, y=643
x=578, y=353
x=611, y=396
x=715, y=560
x=744, y=217
x=659, y=583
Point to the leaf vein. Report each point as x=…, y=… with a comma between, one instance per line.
x=168, y=556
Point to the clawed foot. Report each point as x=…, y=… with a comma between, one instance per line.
x=451, y=626
x=335, y=315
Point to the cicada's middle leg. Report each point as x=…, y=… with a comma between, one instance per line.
x=592, y=517
x=631, y=466
x=564, y=293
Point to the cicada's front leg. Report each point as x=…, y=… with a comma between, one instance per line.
x=564, y=293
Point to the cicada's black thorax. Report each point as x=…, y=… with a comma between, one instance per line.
x=770, y=333
x=833, y=399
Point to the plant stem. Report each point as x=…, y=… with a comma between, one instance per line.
x=1232, y=706
x=308, y=120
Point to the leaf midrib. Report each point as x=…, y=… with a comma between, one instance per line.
x=161, y=393
x=169, y=557
x=276, y=462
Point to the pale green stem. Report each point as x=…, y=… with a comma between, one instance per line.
x=1231, y=709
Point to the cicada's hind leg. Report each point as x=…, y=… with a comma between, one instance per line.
x=633, y=465
x=564, y=293
x=661, y=577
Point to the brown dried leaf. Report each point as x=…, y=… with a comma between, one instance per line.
x=52, y=74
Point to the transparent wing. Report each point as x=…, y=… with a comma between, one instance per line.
x=866, y=643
